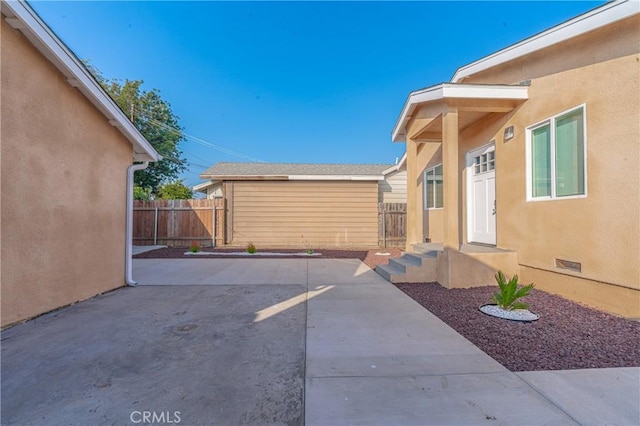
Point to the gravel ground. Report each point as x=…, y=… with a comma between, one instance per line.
x=567, y=336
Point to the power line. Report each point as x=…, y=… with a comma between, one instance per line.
x=203, y=142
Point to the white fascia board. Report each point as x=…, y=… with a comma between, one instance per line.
x=337, y=177
x=604, y=15
x=396, y=167
x=455, y=91
x=222, y=178
x=414, y=98
x=470, y=91
x=20, y=15
x=202, y=186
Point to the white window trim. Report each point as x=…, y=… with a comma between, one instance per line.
x=424, y=189
x=529, y=168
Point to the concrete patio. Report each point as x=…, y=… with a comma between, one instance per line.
x=279, y=341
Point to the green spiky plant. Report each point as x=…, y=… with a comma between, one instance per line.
x=251, y=248
x=195, y=247
x=507, y=297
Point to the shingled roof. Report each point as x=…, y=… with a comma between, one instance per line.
x=222, y=171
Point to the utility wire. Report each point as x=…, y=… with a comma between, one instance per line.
x=166, y=127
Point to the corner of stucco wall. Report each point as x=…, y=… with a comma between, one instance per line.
x=65, y=241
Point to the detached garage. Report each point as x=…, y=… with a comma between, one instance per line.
x=299, y=205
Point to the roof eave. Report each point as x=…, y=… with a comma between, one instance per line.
x=291, y=177
x=201, y=187
x=396, y=167
x=446, y=91
x=243, y=177
x=604, y=15
x=337, y=177
x=22, y=17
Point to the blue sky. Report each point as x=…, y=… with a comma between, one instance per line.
x=313, y=82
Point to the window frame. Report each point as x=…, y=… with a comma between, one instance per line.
x=551, y=122
x=425, y=186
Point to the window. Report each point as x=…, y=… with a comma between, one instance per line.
x=556, y=161
x=484, y=163
x=433, y=188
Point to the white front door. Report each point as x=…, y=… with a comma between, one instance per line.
x=481, y=198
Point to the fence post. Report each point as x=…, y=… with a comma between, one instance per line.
x=213, y=224
x=155, y=228
x=384, y=226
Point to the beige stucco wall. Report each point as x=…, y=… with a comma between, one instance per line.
x=599, y=231
x=602, y=71
x=63, y=188
x=422, y=223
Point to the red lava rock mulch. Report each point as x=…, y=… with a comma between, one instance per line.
x=369, y=257
x=567, y=336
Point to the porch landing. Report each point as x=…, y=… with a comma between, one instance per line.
x=471, y=265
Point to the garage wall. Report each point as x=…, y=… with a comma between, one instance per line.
x=303, y=213
x=63, y=185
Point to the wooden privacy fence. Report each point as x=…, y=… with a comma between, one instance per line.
x=392, y=224
x=179, y=222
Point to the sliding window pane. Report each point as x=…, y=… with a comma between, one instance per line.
x=570, y=154
x=541, y=161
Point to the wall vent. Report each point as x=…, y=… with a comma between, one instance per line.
x=567, y=264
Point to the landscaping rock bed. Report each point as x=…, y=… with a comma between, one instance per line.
x=567, y=336
x=370, y=257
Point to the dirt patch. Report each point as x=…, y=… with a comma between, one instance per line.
x=371, y=258
x=567, y=336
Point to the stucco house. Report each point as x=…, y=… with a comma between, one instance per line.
x=68, y=156
x=319, y=205
x=527, y=161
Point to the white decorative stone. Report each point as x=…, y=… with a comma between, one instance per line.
x=513, y=315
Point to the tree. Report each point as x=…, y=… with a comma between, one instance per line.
x=174, y=191
x=140, y=193
x=154, y=118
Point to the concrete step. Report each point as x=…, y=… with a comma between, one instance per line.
x=421, y=256
x=390, y=272
x=427, y=247
x=410, y=268
x=405, y=262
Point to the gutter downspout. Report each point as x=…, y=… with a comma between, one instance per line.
x=128, y=250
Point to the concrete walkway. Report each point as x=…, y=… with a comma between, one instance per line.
x=376, y=357
x=279, y=341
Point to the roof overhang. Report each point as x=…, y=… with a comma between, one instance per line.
x=485, y=98
x=396, y=167
x=587, y=22
x=217, y=178
x=220, y=178
x=202, y=187
x=337, y=177
x=22, y=17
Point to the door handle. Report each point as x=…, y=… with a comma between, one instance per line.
x=493, y=212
